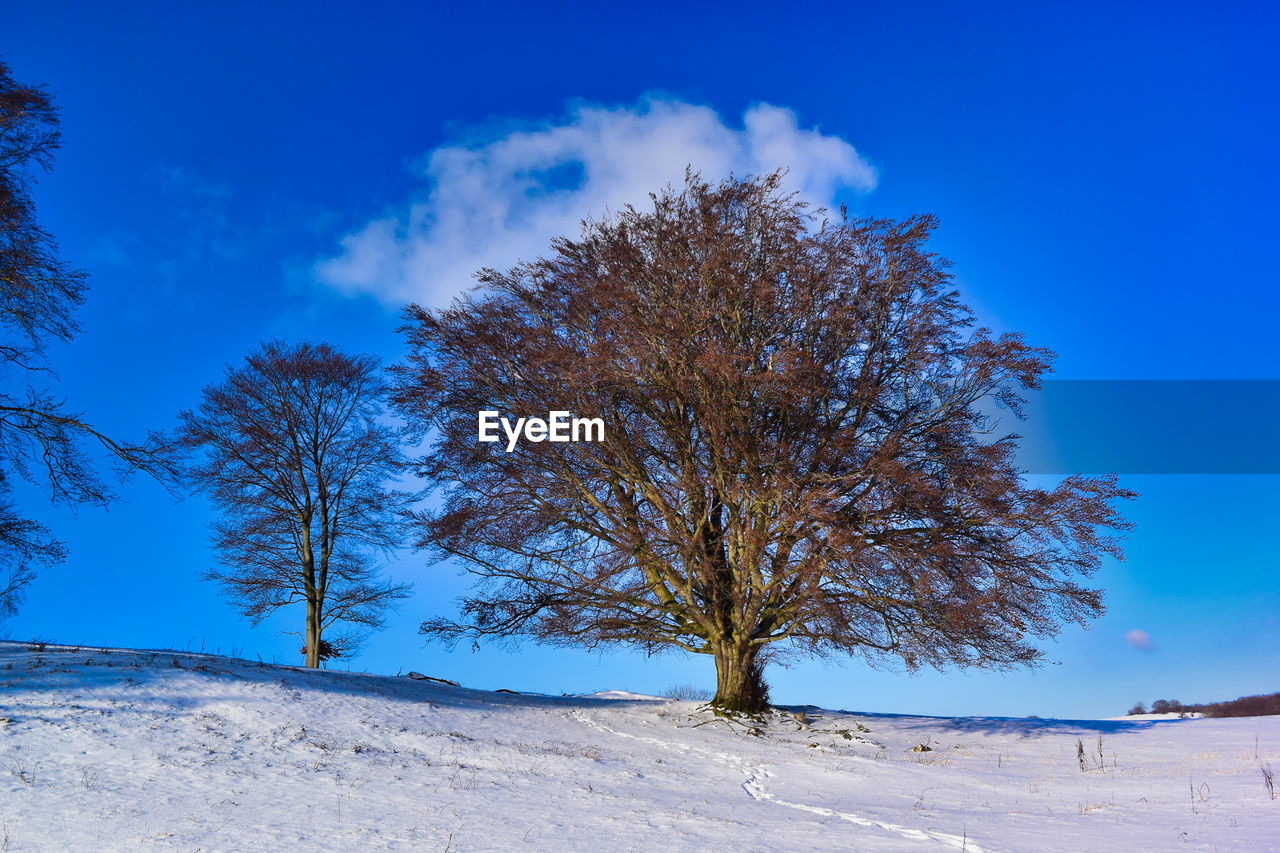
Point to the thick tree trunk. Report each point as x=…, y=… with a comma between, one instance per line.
x=313, y=634
x=740, y=683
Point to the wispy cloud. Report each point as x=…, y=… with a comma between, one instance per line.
x=500, y=197
x=1140, y=640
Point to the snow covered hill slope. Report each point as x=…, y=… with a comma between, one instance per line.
x=125, y=750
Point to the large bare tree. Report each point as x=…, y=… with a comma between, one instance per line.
x=795, y=457
x=41, y=439
x=293, y=451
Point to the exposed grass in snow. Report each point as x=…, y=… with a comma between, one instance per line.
x=116, y=749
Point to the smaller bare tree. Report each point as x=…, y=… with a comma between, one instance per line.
x=292, y=452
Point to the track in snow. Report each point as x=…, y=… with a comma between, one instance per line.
x=757, y=773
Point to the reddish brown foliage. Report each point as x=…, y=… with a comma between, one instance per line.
x=794, y=454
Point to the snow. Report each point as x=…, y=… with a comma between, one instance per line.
x=111, y=749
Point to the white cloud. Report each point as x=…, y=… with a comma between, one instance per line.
x=495, y=200
x=1140, y=640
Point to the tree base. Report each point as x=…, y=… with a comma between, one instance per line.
x=740, y=685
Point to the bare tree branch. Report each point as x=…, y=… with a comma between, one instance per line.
x=40, y=438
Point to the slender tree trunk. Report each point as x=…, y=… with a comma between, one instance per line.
x=314, y=598
x=313, y=633
x=740, y=678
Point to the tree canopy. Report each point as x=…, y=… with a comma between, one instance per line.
x=796, y=457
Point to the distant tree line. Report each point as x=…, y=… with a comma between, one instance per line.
x=1264, y=705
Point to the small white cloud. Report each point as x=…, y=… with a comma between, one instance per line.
x=495, y=200
x=1140, y=640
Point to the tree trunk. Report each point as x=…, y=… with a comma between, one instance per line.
x=740, y=683
x=313, y=634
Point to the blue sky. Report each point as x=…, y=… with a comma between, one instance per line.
x=1105, y=179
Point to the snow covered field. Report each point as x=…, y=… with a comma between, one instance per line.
x=119, y=749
